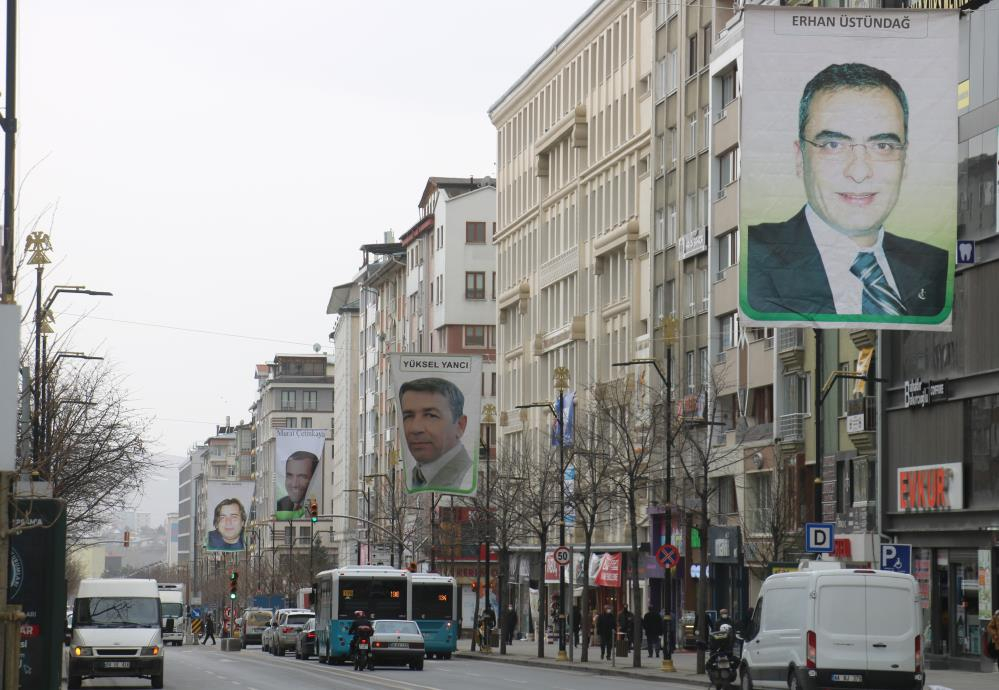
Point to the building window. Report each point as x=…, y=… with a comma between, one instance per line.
x=703, y=366
x=728, y=169
x=670, y=225
x=671, y=135
x=708, y=40
x=692, y=55
x=796, y=399
x=287, y=400
x=475, y=232
x=475, y=285
x=291, y=423
x=310, y=400
x=691, y=134
x=689, y=375
x=475, y=336
x=727, y=87
x=306, y=422
x=728, y=250
x=728, y=331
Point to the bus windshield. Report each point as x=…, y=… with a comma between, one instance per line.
x=116, y=612
x=433, y=601
x=377, y=598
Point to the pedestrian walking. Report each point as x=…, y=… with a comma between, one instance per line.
x=652, y=625
x=509, y=624
x=209, y=629
x=993, y=630
x=626, y=623
x=606, y=626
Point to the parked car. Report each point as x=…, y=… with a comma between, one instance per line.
x=253, y=624
x=267, y=633
x=835, y=627
x=397, y=643
x=283, y=633
x=305, y=641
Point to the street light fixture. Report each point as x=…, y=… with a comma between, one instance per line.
x=561, y=383
x=667, y=664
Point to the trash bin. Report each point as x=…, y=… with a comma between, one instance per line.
x=621, y=645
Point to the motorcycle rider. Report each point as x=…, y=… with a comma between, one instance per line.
x=360, y=629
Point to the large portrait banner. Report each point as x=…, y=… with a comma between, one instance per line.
x=228, y=512
x=438, y=403
x=848, y=168
x=297, y=461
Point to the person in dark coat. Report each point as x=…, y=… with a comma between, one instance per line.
x=606, y=626
x=209, y=629
x=652, y=626
x=577, y=624
x=509, y=624
x=626, y=622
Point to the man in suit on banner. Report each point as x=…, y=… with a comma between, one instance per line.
x=834, y=256
x=433, y=420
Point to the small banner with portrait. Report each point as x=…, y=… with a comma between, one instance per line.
x=438, y=405
x=298, y=460
x=848, y=168
x=228, y=512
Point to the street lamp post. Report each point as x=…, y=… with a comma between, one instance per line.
x=561, y=381
x=667, y=380
x=488, y=412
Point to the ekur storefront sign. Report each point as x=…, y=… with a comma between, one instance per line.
x=931, y=488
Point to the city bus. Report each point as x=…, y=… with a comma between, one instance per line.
x=437, y=611
x=380, y=591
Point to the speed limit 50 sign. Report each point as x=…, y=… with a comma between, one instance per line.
x=561, y=555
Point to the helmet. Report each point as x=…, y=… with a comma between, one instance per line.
x=358, y=614
x=725, y=628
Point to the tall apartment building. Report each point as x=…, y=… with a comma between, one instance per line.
x=187, y=503
x=344, y=472
x=294, y=391
x=574, y=224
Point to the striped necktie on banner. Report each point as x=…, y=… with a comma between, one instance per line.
x=878, y=296
x=418, y=478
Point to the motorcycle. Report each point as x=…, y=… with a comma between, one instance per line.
x=362, y=650
x=723, y=661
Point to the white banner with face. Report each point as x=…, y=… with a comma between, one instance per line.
x=228, y=510
x=438, y=402
x=848, y=168
x=298, y=461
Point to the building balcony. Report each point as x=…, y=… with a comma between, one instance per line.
x=791, y=348
x=791, y=432
x=861, y=423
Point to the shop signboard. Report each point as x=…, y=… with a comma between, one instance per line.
x=930, y=488
x=921, y=571
x=984, y=584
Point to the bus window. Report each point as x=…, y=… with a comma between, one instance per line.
x=433, y=601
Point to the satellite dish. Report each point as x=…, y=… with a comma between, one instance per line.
x=316, y=347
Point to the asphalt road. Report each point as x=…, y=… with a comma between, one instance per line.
x=193, y=668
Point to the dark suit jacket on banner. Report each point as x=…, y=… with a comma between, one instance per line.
x=785, y=272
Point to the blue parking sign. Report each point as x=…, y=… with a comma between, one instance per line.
x=897, y=558
x=819, y=537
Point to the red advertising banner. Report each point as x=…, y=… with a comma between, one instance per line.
x=609, y=574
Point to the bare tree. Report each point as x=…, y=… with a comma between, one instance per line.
x=770, y=518
x=592, y=498
x=700, y=459
x=539, y=493
x=628, y=421
x=506, y=529
x=96, y=449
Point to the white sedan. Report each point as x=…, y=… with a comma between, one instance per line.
x=397, y=643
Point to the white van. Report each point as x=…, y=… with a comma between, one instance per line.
x=834, y=629
x=116, y=631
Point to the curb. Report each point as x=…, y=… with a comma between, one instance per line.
x=581, y=667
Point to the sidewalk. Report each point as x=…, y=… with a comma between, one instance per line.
x=525, y=653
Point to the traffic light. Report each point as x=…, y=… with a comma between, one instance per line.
x=125, y=539
x=233, y=584
x=314, y=510
x=475, y=586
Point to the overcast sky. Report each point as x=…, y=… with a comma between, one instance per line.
x=216, y=164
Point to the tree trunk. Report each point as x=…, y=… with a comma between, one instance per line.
x=584, y=652
x=478, y=587
x=502, y=558
x=539, y=627
x=702, y=584
x=636, y=594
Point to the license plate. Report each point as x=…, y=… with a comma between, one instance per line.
x=403, y=645
x=117, y=664
x=847, y=678
x=362, y=645
x=722, y=664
